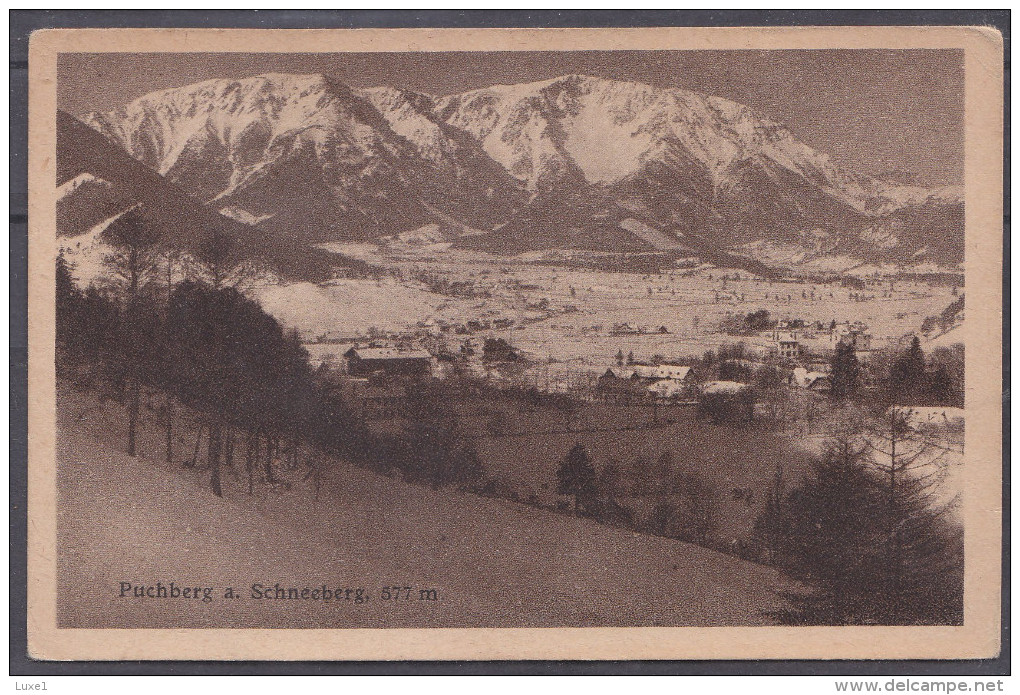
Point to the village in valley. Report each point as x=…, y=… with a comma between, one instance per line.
x=613, y=336
x=530, y=359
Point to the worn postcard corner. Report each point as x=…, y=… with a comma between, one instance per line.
x=592, y=344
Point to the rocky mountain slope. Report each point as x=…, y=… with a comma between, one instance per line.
x=573, y=162
x=313, y=158
x=104, y=195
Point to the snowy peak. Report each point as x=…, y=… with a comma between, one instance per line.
x=560, y=161
x=217, y=136
x=311, y=157
x=608, y=131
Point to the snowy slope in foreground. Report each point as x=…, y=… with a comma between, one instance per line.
x=493, y=562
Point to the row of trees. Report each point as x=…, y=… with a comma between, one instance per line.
x=947, y=318
x=205, y=347
x=684, y=506
x=905, y=378
x=183, y=328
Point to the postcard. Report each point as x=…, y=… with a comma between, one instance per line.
x=433, y=344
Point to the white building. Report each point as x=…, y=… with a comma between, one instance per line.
x=787, y=343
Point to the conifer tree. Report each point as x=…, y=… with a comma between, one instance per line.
x=907, y=378
x=866, y=535
x=575, y=476
x=830, y=539
x=846, y=372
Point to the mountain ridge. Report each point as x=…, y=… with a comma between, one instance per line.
x=309, y=157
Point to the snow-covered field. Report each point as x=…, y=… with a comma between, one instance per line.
x=567, y=314
x=492, y=563
x=348, y=305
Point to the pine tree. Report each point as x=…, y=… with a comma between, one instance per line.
x=696, y=511
x=865, y=534
x=845, y=373
x=829, y=539
x=69, y=300
x=575, y=476
x=907, y=377
x=939, y=386
x=947, y=377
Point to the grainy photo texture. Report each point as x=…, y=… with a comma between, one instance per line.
x=510, y=339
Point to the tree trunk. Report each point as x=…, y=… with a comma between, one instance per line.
x=169, y=428
x=134, y=404
x=271, y=444
x=894, y=550
x=169, y=336
x=228, y=451
x=215, y=445
x=194, y=454
x=250, y=458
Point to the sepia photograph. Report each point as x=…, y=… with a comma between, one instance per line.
x=617, y=338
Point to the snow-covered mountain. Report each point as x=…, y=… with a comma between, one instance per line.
x=570, y=162
x=312, y=157
x=704, y=166
x=104, y=196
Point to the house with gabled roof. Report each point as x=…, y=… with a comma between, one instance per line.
x=388, y=361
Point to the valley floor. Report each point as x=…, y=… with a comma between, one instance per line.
x=491, y=563
x=566, y=315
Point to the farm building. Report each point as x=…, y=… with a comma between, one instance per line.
x=618, y=374
x=620, y=385
x=812, y=381
x=642, y=381
x=389, y=361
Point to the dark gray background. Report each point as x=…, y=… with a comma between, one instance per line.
x=23, y=22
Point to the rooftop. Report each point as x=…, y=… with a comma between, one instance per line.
x=723, y=387
x=387, y=353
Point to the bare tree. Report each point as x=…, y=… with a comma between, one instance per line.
x=133, y=265
x=912, y=466
x=171, y=258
